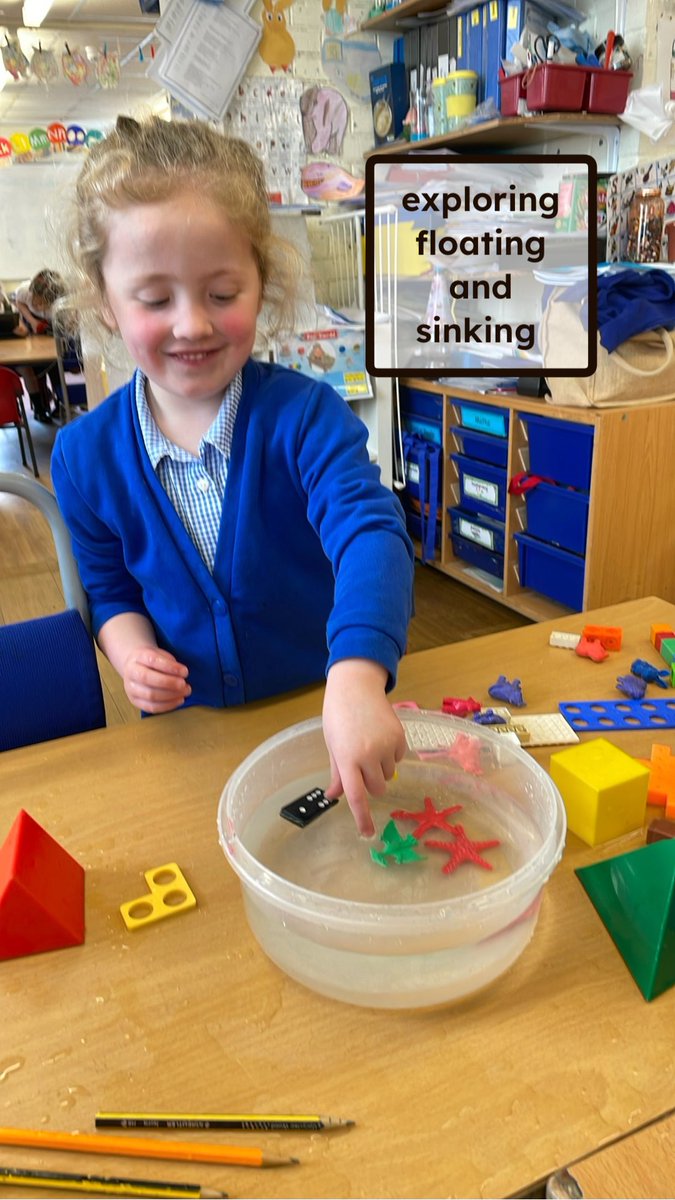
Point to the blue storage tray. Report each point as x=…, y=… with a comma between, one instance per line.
x=483, y=531
x=482, y=419
x=482, y=487
x=417, y=403
x=431, y=430
x=553, y=572
x=478, y=557
x=483, y=446
x=558, y=515
x=560, y=450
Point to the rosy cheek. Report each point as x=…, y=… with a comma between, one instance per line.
x=238, y=325
x=143, y=329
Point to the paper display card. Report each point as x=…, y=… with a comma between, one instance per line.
x=334, y=356
x=176, y=12
x=208, y=49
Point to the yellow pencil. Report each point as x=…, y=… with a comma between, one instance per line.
x=95, y=1143
x=66, y=1181
x=247, y=1121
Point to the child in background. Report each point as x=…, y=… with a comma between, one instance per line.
x=232, y=535
x=11, y=321
x=35, y=301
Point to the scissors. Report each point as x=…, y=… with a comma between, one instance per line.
x=544, y=49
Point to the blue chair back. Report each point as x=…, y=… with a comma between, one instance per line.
x=49, y=680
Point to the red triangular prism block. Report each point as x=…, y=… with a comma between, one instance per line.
x=41, y=892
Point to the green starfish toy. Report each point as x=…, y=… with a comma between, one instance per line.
x=398, y=849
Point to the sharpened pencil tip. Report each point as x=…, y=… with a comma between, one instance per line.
x=212, y=1194
x=271, y=1160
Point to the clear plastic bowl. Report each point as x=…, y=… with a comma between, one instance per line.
x=410, y=935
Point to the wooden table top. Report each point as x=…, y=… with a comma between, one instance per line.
x=481, y=1098
x=639, y=1167
x=28, y=351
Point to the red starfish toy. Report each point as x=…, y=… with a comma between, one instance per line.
x=431, y=818
x=463, y=849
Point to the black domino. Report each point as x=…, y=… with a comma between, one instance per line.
x=308, y=807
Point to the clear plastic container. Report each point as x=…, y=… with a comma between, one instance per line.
x=410, y=935
x=645, y=225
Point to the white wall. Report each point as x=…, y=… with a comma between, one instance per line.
x=31, y=197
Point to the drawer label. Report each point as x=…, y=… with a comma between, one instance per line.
x=481, y=489
x=475, y=533
x=485, y=422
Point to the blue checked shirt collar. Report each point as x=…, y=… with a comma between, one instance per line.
x=219, y=434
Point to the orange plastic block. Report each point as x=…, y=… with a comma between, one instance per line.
x=661, y=786
x=656, y=629
x=610, y=636
x=41, y=892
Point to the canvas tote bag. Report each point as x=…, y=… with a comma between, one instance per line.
x=640, y=371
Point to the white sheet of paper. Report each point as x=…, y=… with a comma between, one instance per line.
x=177, y=12
x=208, y=57
x=173, y=18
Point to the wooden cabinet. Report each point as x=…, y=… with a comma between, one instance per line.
x=630, y=537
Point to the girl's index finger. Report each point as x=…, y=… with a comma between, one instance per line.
x=164, y=661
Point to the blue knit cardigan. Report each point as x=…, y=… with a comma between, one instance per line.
x=313, y=563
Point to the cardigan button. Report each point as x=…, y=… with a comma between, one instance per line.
x=231, y=681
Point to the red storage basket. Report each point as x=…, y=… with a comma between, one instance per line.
x=555, y=87
x=510, y=92
x=606, y=91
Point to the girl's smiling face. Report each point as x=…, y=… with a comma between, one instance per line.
x=183, y=290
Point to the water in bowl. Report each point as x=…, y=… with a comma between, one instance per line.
x=329, y=857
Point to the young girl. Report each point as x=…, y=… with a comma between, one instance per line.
x=232, y=536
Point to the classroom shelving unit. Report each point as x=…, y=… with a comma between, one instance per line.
x=510, y=134
x=403, y=15
x=629, y=545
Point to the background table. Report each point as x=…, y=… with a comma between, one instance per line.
x=559, y=1057
x=28, y=351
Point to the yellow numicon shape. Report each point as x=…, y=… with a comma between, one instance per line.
x=603, y=788
x=169, y=895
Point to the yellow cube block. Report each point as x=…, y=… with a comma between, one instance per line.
x=603, y=788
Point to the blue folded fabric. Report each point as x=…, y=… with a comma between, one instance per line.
x=631, y=302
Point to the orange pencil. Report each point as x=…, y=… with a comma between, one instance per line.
x=96, y=1143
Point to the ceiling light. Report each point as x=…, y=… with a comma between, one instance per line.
x=34, y=12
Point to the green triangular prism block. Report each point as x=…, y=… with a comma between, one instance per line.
x=634, y=895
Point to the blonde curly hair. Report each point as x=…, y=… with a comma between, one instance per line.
x=151, y=161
